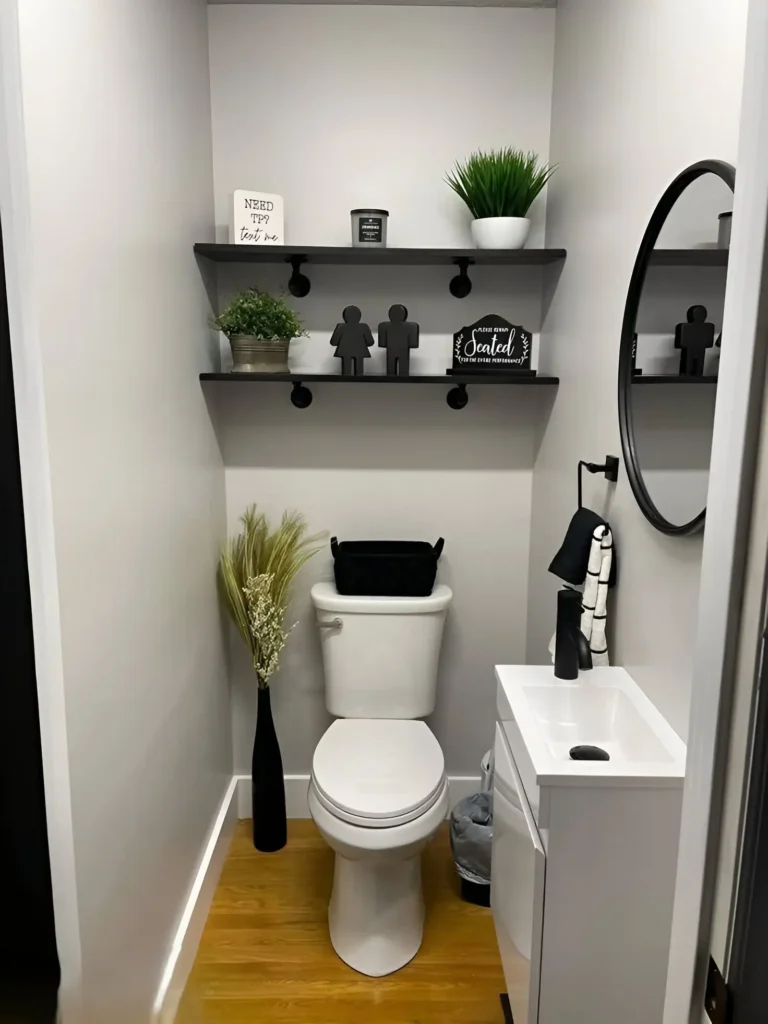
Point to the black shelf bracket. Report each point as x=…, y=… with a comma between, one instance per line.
x=461, y=286
x=457, y=397
x=609, y=469
x=299, y=284
x=301, y=396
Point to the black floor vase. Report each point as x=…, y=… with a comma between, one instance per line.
x=267, y=785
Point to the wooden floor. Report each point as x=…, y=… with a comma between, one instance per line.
x=266, y=956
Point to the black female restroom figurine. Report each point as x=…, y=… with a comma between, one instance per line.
x=398, y=336
x=352, y=340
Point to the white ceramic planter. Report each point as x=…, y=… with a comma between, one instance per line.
x=500, y=232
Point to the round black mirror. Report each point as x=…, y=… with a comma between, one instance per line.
x=670, y=347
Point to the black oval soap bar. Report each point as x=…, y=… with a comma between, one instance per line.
x=585, y=752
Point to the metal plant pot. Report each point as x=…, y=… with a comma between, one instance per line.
x=254, y=355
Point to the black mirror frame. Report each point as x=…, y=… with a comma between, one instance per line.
x=659, y=216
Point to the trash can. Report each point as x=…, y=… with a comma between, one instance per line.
x=471, y=839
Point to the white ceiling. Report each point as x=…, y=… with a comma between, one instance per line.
x=407, y=3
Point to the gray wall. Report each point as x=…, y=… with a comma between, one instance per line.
x=341, y=107
x=641, y=90
x=116, y=138
x=368, y=462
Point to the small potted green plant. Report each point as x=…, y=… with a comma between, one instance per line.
x=260, y=328
x=499, y=187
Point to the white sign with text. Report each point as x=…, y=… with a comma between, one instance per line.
x=258, y=218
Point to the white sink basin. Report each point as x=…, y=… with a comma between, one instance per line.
x=603, y=708
x=601, y=715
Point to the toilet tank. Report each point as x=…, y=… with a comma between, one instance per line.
x=380, y=654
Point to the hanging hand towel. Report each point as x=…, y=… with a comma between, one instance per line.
x=595, y=597
x=571, y=561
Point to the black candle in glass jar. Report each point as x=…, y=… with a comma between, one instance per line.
x=369, y=228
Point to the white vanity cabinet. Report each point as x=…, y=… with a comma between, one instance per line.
x=584, y=853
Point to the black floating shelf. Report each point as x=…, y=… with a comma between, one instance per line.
x=348, y=255
x=299, y=284
x=671, y=378
x=689, y=258
x=457, y=397
x=381, y=378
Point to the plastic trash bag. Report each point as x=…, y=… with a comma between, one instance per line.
x=471, y=837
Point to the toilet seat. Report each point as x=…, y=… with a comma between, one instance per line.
x=378, y=773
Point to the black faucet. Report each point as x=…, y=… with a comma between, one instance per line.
x=571, y=647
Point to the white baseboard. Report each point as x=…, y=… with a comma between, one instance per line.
x=190, y=929
x=297, y=786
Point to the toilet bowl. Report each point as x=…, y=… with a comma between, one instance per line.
x=378, y=790
x=378, y=794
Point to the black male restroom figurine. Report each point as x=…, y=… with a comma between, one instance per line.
x=352, y=340
x=398, y=336
x=694, y=338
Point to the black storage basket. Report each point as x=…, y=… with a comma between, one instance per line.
x=385, y=568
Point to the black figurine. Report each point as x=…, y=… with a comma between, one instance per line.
x=398, y=336
x=352, y=340
x=694, y=338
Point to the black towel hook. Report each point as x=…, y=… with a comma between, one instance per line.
x=610, y=469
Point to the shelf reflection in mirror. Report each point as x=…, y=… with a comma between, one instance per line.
x=672, y=326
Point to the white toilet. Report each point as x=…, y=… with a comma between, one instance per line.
x=378, y=790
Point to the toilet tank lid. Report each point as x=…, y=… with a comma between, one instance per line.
x=326, y=597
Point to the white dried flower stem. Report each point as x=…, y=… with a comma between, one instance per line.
x=265, y=621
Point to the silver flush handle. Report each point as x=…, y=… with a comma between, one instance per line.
x=330, y=623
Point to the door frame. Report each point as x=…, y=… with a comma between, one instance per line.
x=38, y=511
x=746, y=966
x=29, y=972
x=729, y=503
